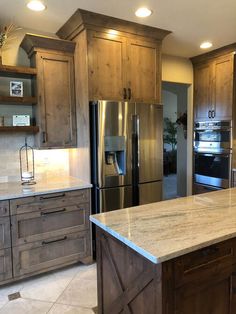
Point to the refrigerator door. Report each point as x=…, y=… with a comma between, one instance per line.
x=115, y=198
x=150, y=130
x=114, y=143
x=150, y=192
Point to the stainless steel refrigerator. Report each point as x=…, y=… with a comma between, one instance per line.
x=126, y=154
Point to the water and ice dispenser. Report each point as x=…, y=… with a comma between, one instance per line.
x=115, y=155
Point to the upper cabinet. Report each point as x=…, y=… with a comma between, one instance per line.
x=214, y=84
x=55, y=90
x=123, y=58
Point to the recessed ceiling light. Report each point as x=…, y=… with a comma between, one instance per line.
x=143, y=12
x=206, y=44
x=36, y=5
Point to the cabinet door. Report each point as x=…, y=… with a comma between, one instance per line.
x=144, y=71
x=5, y=238
x=107, y=53
x=223, y=87
x=202, y=91
x=5, y=264
x=56, y=100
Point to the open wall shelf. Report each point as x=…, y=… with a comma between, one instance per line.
x=15, y=71
x=28, y=100
x=28, y=129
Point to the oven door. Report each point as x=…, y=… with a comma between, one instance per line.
x=218, y=139
x=212, y=169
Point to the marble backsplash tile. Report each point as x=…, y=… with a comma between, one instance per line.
x=48, y=163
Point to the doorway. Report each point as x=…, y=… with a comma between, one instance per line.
x=175, y=104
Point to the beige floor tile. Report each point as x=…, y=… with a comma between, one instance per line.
x=48, y=287
x=80, y=292
x=25, y=306
x=88, y=272
x=68, y=309
x=9, y=289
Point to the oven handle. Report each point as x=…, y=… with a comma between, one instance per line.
x=212, y=155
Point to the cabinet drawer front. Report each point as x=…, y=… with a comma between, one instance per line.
x=41, y=225
x=5, y=238
x=49, y=201
x=206, y=262
x=5, y=264
x=4, y=208
x=34, y=257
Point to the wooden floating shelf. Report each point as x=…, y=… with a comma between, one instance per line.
x=18, y=100
x=15, y=71
x=28, y=129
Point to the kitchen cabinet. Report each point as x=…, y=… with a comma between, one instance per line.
x=5, y=242
x=122, y=68
x=47, y=232
x=214, y=84
x=55, y=112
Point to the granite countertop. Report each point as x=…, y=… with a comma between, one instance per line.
x=165, y=230
x=12, y=190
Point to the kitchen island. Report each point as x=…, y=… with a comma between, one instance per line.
x=176, y=256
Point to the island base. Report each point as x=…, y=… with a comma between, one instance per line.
x=201, y=282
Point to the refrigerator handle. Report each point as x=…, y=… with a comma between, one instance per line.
x=135, y=158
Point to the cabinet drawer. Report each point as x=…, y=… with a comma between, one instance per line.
x=5, y=238
x=5, y=264
x=44, y=224
x=4, y=208
x=205, y=262
x=35, y=257
x=48, y=201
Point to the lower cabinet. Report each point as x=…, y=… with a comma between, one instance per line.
x=35, y=257
x=5, y=264
x=44, y=232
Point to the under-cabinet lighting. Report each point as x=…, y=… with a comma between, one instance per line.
x=143, y=12
x=36, y=5
x=206, y=45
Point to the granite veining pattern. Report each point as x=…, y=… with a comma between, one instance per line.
x=165, y=230
x=12, y=190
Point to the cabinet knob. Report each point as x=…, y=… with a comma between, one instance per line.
x=44, y=134
x=209, y=114
x=213, y=114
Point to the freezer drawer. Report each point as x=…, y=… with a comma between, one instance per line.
x=115, y=198
x=150, y=192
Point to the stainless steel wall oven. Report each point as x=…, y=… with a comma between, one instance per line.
x=213, y=153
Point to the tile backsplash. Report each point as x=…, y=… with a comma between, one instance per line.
x=48, y=163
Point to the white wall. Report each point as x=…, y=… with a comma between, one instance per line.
x=180, y=70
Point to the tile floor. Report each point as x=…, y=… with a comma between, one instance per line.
x=72, y=290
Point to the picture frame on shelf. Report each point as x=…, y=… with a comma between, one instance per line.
x=16, y=88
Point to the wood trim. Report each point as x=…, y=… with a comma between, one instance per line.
x=83, y=19
x=10, y=70
x=30, y=42
x=214, y=53
x=28, y=100
x=28, y=129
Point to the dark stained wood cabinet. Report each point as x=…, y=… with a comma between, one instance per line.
x=201, y=282
x=55, y=116
x=214, y=84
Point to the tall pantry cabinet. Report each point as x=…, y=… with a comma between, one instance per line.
x=114, y=60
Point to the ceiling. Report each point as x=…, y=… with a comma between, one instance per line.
x=191, y=22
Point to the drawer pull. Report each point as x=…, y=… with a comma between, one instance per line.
x=54, y=212
x=210, y=251
x=51, y=197
x=53, y=241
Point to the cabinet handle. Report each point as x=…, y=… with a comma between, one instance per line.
x=53, y=241
x=213, y=114
x=210, y=251
x=129, y=93
x=54, y=212
x=209, y=114
x=125, y=93
x=50, y=197
x=44, y=137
